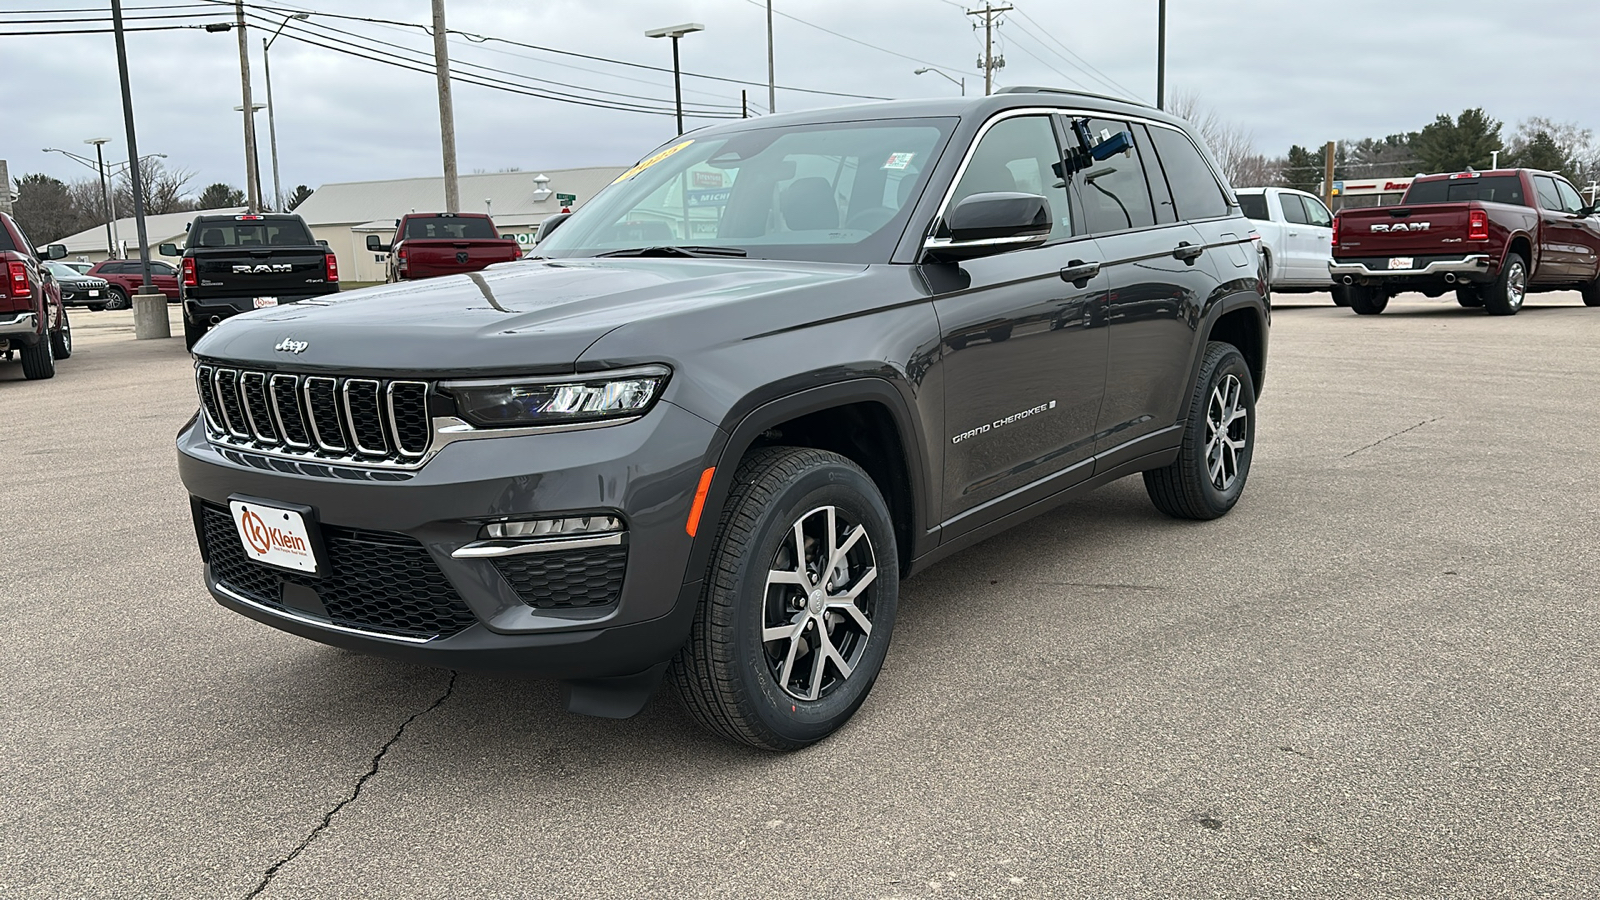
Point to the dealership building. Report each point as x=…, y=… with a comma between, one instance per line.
x=344, y=213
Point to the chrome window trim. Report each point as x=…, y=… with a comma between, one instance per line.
x=277, y=408
x=394, y=420
x=350, y=417
x=250, y=416
x=311, y=413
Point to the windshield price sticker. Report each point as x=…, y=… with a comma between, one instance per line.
x=899, y=160
x=277, y=537
x=651, y=161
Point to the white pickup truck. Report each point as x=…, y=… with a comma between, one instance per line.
x=1296, y=237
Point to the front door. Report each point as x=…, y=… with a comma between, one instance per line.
x=1024, y=351
x=1316, y=239
x=1297, y=240
x=1584, y=231
x=1558, y=234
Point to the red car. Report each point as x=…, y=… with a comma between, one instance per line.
x=126, y=277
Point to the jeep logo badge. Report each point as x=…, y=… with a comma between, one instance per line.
x=263, y=269
x=290, y=345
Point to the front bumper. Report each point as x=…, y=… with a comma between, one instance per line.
x=1475, y=266
x=22, y=325
x=83, y=297
x=646, y=471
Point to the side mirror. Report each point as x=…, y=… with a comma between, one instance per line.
x=990, y=223
x=376, y=244
x=55, y=251
x=1586, y=212
x=548, y=225
x=168, y=250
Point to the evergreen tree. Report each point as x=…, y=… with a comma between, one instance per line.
x=220, y=196
x=1540, y=151
x=1454, y=146
x=46, y=211
x=299, y=196
x=1302, y=169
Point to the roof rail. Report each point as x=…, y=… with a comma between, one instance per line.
x=1039, y=89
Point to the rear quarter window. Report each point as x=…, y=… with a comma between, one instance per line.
x=1254, y=207
x=1195, y=188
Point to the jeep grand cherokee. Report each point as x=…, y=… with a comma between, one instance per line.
x=776, y=367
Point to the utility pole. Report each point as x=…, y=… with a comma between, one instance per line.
x=1161, y=55
x=252, y=176
x=989, y=62
x=1327, y=174
x=105, y=192
x=447, y=114
x=772, y=83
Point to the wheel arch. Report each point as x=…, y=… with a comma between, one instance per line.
x=1241, y=321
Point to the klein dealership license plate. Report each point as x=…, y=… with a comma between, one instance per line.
x=264, y=302
x=94, y=293
x=275, y=536
x=1400, y=262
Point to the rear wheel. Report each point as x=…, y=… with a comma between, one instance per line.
x=61, y=338
x=1219, y=435
x=1469, y=297
x=117, y=298
x=1504, y=296
x=1368, y=300
x=1591, y=293
x=799, y=602
x=192, y=332
x=38, y=361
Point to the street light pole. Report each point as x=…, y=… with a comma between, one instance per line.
x=272, y=108
x=105, y=172
x=675, y=32
x=772, y=82
x=1161, y=55
x=105, y=193
x=961, y=84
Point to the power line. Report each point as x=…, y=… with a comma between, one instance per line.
x=1087, y=67
x=1047, y=65
x=861, y=42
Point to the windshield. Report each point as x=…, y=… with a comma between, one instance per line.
x=839, y=192
x=61, y=270
x=1485, y=189
x=269, y=233
x=451, y=227
x=1254, y=206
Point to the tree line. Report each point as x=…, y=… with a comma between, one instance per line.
x=49, y=209
x=1447, y=144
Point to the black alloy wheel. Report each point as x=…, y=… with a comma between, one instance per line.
x=799, y=603
x=1219, y=436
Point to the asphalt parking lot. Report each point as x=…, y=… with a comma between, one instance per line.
x=1376, y=678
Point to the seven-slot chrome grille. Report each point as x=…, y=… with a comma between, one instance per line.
x=360, y=421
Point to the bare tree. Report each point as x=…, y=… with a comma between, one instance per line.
x=165, y=190
x=1233, y=145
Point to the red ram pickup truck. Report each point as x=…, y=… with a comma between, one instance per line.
x=33, y=321
x=1493, y=237
x=428, y=245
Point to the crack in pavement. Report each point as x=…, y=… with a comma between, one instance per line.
x=327, y=818
x=1395, y=435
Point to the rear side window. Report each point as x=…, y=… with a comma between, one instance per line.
x=1294, y=211
x=1115, y=194
x=1487, y=189
x=450, y=227
x=270, y=233
x=1194, y=185
x=1254, y=207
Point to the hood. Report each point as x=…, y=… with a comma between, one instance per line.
x=531, y=317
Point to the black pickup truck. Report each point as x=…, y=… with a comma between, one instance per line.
x=233, y=264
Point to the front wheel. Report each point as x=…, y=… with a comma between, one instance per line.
x=1504, y=296
x=117, y=298
x=1591, y=293
x=799, y=602
x=1219, y=438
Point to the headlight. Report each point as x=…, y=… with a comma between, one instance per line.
x=559, y=400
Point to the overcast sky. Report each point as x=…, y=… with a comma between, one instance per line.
x=1289, y=71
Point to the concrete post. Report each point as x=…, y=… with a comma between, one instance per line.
x=150, y=317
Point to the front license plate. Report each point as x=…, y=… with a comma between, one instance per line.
x=275, y=536
x=94, y=293
x=264, y=302
x=1399, y=262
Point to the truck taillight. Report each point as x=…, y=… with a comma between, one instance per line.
x=402, y=256
x=333, y=268
x=190, y=277
x=1478, y=225
x=19, y=279
x=1335, y=231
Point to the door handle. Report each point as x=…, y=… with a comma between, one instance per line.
x=1294, y=234
x=1079, y=272
x=1187, y=252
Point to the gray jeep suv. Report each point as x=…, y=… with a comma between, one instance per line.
x=776, y=367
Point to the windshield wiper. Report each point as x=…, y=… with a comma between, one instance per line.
x=674, y=250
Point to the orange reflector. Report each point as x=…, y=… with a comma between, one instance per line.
x=699, y=501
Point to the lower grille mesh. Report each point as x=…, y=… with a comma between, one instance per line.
x=571, y=580
x=379, y=582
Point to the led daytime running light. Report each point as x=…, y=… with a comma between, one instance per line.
x=551, y=528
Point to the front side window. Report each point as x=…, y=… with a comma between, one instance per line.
x=836, y=192
x=1194, y=186
x=1018, y=155
x=1317, y=213
x=1294, y=212
x=1115, y=195
x=1571, y=200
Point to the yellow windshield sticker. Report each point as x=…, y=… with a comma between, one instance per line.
x=652, y=161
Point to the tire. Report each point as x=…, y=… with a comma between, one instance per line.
x=1207, y=478
x=1469, y=298
x=98, y=307
x=1367, y=300
x=61, y=338
x=192, y=332
x=1591, y=293
x=117, y=298
x=1505, y=295
x=728, y=675
x=38, y=361
x=1343, y=294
